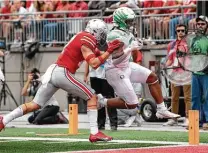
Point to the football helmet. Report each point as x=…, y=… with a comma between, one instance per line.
x=124, y=18
x=99, y=29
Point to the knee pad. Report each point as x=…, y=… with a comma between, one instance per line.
x=152, y=79
x=92, y=103
x=30, y=107
x=153, y=82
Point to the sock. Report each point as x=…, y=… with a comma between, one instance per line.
x=104, y=101
x=92, y=116
x=161, y=106
x=12, y=115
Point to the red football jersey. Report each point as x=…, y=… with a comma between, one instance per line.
x=71, y=56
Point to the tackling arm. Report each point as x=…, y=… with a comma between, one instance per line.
x=91, y=59
x=86, y=73
x=94, y=61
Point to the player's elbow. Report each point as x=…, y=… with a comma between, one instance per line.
x=94, y=64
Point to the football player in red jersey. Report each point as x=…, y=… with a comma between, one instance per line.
x=82, y=47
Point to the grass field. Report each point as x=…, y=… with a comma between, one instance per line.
x=35, y=140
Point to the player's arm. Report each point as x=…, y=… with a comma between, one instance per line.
x=169, y=62
x=137, y=56
x=91, y=59
x=135, y=46
x=86, y=73
x=27, y=85
x=169, y=57
x=94, y=61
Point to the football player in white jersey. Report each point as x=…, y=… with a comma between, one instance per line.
x=120, y=73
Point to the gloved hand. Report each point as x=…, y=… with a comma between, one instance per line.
x=97, y=52
x=137, y=44
x=113, y=45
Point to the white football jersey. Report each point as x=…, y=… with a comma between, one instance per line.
x=127, y=38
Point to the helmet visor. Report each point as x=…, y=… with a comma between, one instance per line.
x=102, y=39
x=130, y=23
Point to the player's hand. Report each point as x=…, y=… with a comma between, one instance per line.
x=114, y=45
x=97, y=52
x=86, y=79
x=137, y=44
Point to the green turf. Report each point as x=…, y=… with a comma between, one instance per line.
x=42, y=147
x=120, y=135
x=55, y=146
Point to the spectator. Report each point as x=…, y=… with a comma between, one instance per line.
x=134, y=4
x=152, y=21
x=96, y=5
x=200, y=80
x=110, y=3
x=37, y=20
x=19, y=25
x=48, y=32
x=181, y=31
x=79, y=5
x=182, y=19
x=166, y=19
x=6, y=26
x=54, y=29
x=76, y=25
x=49, y=114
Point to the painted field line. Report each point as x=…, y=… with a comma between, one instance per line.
x=86, y=140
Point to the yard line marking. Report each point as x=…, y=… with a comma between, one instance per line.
x=86, y=140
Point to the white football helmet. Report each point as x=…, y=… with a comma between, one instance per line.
x=99, y=29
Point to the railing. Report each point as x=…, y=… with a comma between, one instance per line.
x=53, y=31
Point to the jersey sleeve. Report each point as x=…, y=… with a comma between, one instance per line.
x=88, y=41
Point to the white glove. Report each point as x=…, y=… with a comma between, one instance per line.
x=136, y=44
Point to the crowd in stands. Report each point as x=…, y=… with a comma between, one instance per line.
x=156, y=23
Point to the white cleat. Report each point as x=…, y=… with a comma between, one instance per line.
x=138, y=120
x=171, y=122
x=164, y=113
x=130, y=121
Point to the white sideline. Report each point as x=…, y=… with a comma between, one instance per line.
x=86, y=140
x=58, y=140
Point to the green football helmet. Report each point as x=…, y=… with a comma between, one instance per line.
x=124, y=17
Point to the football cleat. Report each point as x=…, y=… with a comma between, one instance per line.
x=99, y=137
x=1, y=123
x=164, y=113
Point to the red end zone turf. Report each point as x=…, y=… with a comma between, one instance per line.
x=167, y=149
